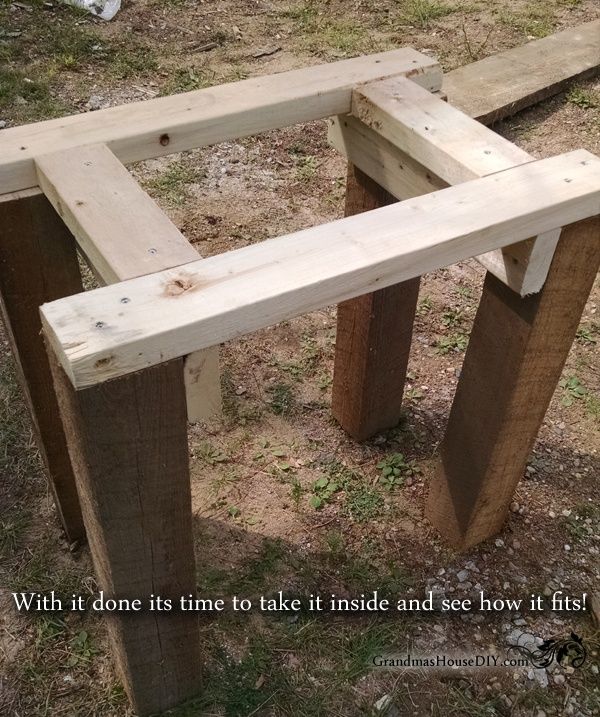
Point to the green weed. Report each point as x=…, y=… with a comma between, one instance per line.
x=173, y=184
x=395, y=469
x=455, y=342
x=323, y=490
x=209, y=454
x=82, y=649
x=585, y=335
x=452, y=317
x=363, y=503
x=281, y=400
x=573, y=390
x=424, y=306
x=186, y=79
x=586, y=99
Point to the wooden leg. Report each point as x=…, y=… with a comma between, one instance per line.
x=128, y=444
x=517, y=350
x=374, y=333
x=38, y=263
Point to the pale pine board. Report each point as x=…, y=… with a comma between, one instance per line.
x=455, y=148
x=176, y=312
x=522, y=266
x=501, y=85
x=165, y=125
x=440, y=137
x=124, y=234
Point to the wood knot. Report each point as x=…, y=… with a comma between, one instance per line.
x=179, y=285
x=103, y=362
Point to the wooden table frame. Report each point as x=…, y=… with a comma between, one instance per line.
x=110, y=400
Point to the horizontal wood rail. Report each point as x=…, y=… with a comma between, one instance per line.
x=124, y=234
x=152, y=128
x=123, y=328
x=401, y=135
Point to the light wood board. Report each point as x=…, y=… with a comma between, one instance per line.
x=501, y=85
x=142, y=130
x=124, y=234
x=173, y=313
x=447, y=143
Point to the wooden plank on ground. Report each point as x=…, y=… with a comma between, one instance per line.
x=173, y=313
x=517, y=349
x=501, y=85
x=142, y=130
x=373, y=337
x=38, y=263
x=124, y=234
x=128, y=442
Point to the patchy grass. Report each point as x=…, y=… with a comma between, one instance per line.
x=592, y=404
x=534, y=21
x=29, y=99
x=363, y=503
x=131, y=58
x=12, y=527
x=323, y=34
x=307, y=363
x=173, y=184
x=186, y=79
x=464, y=703
x=19, y=457
x=584, y=98
x=422, y=13
x=584, y=522
x=281, y=399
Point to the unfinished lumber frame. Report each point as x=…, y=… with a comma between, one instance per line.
x=117, y=353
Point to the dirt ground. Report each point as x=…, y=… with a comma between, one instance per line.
x=282, y=498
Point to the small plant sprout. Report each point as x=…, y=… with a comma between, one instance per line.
x=211, y=455
x=586, y=99
x=452, y=317
x=455, y=342
x=574, y=390
x=323, y=489
x=395, y=469
x=585, y=335
x=425, y=305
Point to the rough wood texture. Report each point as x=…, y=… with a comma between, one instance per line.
x=516, y=353
x=165, y=125
x=38, y=263
x=128, y=444
x=373, y=337
x=124, y=234
x=178, y=311
x=502, y=84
